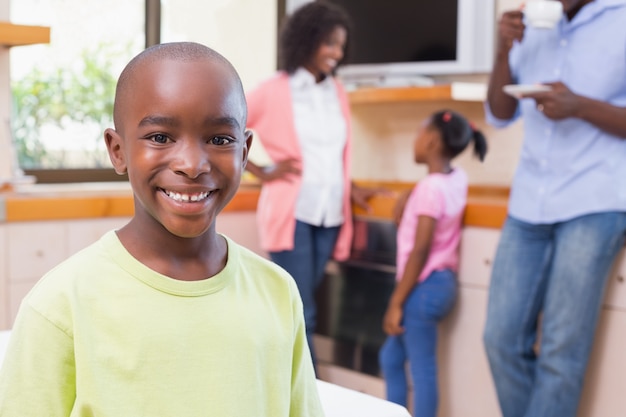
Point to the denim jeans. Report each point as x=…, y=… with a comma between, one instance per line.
x=558, y=271
x=313, y=247
x=428, y=303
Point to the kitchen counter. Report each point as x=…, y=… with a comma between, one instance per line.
x=486, y=204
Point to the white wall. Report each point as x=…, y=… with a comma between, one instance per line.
x=244, y=31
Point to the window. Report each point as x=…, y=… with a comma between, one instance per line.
x=63, y=91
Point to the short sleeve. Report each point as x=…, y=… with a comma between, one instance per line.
x=429, y=200
x=38, y=374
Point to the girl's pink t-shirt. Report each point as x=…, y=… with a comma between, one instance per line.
x=442, y=197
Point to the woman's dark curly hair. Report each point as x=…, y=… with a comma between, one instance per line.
x=306, y=29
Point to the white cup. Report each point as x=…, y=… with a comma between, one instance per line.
x=543, y=14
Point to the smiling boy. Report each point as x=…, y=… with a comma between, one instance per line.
x=166, y=317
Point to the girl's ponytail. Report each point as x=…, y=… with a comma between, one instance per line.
x=480, y=144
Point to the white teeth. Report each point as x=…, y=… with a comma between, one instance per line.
x=186, y=197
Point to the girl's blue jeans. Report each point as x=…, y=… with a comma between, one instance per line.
x=313, y=247
x=559, y=270
x=429, y=302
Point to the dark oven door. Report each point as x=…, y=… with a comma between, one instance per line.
x=353, y=298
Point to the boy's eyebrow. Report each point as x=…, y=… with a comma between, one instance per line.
x=172, y=122
x=226, y=120
x=158, y=120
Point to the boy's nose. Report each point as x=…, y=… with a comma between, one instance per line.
x=191, y=160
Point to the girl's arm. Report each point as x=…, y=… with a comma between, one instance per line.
x=414, y=266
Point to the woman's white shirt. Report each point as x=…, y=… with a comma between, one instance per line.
x=321, y=130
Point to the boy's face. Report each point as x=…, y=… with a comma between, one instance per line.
x=182, y=140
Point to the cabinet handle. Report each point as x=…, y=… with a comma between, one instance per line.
x=487, y=261
x=620, y=278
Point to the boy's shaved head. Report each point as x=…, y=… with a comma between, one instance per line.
x=176, y=51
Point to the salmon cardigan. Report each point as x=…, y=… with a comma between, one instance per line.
x=270, y=116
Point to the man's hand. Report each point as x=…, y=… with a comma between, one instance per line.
x=510, y=28
x=557, y=104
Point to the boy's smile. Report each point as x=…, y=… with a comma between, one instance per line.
x=182, y=140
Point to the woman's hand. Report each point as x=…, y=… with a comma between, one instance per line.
x=282, y=170
x=392, y=320
x=360, y=196
x=398, y=208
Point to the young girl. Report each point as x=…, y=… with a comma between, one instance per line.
x=427, y=257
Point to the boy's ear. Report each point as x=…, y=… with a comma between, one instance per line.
x=114, y=146
x=248, y=135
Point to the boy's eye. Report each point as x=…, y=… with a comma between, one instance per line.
x=220, y=140
x=159, y=138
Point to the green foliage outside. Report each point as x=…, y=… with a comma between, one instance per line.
x=61, y=97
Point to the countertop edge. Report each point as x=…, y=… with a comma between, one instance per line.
x=486, y=206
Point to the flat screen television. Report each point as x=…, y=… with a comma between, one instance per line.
x=408, y=38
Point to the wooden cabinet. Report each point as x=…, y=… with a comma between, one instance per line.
x=30, y=249
x=465, y=380
x=603, y=394
x=478, y=250
x=81, y=233
x=33, y=249
x=4, y=296
x=465, y=384
x=616, y=287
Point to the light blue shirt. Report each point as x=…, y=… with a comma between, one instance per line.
x=570, y=168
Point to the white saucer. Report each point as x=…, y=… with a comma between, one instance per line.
x=517, y=90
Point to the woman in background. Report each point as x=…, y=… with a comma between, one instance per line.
x=301, y=116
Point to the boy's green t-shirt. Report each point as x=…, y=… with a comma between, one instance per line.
x=103, y=335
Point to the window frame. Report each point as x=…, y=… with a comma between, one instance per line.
x=71, y=175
